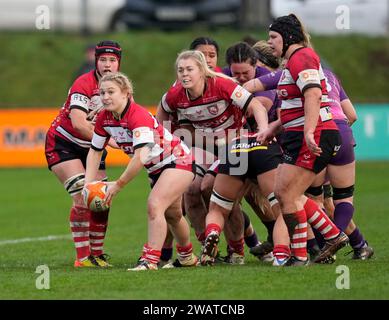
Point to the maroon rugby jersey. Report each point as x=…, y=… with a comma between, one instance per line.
x=136, y=128
x=221, y=107
x=302, y=71
x=83, y=95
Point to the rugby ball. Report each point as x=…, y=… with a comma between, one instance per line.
x=94, y=194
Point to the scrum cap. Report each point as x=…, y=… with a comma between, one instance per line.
x=108, y=47
x=290, y=29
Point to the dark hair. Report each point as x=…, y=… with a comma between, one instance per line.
x=241, y=52
x=204, y=41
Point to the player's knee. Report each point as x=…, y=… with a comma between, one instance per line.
x=343, y=193
x=75, y=184
x=154, y=207
x=314, y=191
x=224, y=203
x=327, y=190
x=173, y=217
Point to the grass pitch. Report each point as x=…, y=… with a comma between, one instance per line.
x=35, y=205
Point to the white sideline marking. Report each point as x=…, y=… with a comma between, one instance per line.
x=47, y=238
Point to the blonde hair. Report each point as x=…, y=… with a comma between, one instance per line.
x=199, y=58
x=121, y=80
x=264, y=49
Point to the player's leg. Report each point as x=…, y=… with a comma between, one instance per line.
x=71, y=174
x=168, y=189
x=98, y=225
x=343, y=179
x=291, y=183
x=226, y=190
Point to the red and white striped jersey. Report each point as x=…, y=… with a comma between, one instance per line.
x=136, y=128
x=221, y=107
x=302, y=71
x=83, y=95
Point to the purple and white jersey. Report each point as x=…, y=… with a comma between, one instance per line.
x=259, y=72
x=270, y=80
x=336, y=94
x=270, y=94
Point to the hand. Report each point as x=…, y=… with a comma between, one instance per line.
x=265, y=136
x=113, y=189
x=92, y=116
x=312, y=145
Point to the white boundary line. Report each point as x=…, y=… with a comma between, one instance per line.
x=47, y=238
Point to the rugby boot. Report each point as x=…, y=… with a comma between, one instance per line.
x=143, y=265
x=332, y=246
x=210, y=249
x=263, y=250
x=102, y=260
x=363, y=253
x=294, y=262
x=191, y=261
x=89, y=262
x=234, y=258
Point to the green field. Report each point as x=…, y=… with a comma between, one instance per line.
x=35, y=205
x=37, y=67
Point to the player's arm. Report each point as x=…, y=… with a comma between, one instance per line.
x=99, y=141
x=132, y=170
x=254, y=85
x=92, y=165
x=80, y=123
x=312, y=102
x=259, y=112
x=265, y=101
x=349, y=111
x=268, y=81
x=161, y=114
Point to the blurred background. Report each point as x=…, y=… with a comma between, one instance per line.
x=45, y=44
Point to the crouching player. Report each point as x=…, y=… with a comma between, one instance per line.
x=246, y=159
x=166, y=158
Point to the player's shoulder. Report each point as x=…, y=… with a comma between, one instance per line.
x=175, y=92
x=221, y=83
x=85, y=81
x=137, y=111
x=304, y=54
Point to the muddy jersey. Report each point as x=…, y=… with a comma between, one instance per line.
x=83, y=95
x=135, y=128
x=302, y=71
x=221, y=106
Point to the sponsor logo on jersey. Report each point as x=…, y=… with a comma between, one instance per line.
x=213, y=109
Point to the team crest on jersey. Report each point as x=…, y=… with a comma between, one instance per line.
x=213, y=109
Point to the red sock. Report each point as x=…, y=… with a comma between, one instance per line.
x=200, y=236
x=237, y=246
x=79, y=225
x=299, y=239
x=151, y=255
x=320, y=221
x=97, y=230
x=184, y=252
x=212, y=227
x=281, y=252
